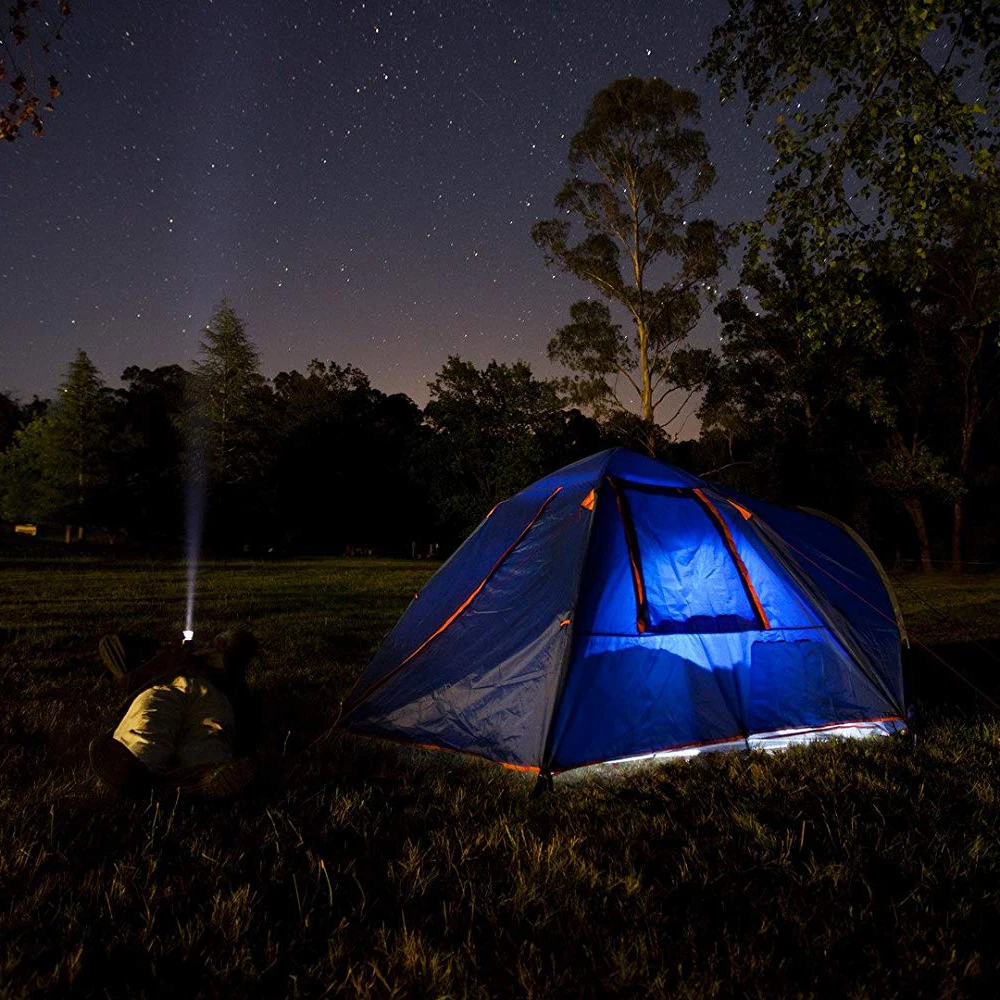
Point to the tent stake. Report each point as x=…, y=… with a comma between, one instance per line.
x=543, y=785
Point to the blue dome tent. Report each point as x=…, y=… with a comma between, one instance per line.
x=622, y=608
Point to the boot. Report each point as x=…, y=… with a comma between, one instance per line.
x=112, y=654
x=118, y=769
x=217, y=781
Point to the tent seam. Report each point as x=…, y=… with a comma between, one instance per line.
x=571, y=645
x=764, y=531
x=455, y=614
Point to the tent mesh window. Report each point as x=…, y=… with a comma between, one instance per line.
x=686, y=578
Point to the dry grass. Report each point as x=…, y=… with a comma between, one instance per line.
x=360, y=869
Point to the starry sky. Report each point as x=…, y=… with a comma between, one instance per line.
x=360, y=179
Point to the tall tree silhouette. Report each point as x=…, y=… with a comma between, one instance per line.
x=227, y=439
x=639, y=167
x=59, y=465
x=228, y=389
x=82, y=431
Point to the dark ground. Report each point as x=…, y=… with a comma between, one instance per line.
x=855, y=869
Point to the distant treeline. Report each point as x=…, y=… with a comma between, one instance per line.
x=859, y=361
x=322, y=462
x=307, y=462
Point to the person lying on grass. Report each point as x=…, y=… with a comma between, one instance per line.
x=189, y=720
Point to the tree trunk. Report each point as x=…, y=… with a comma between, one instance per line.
x=647, y=388
x=956, y=536
x=916, y=511
x=970, y=419
x=972, y=413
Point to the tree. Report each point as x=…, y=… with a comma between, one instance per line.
x=886, y=121
x=14, y=415
x=886, y=128
x=227, y=454
x=494, y=430
x=30, y=486
x=639, y=168
x=796, y=410
x=151, y=465
x=81, y=422
x=823, y=415
x=886, y=112
x=10, y=419
x=59, y=464
x=960, y=303
x=27, y=30
x=783, y=379
x=25, y=492
x=229, y=390
x=343, y=466
x=911, y=473
x=327, y=390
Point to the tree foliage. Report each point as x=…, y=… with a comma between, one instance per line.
x=82, y=443
x=59, y=465
x=10, y=418
x=823, y=413
x=494, y=430
x=229, y=396
x=796, y=407
x=82, y=426
x=31, y=488
x=226, y=456
x=27, y=30
x=342, y=466
x=959, y=306
x=343, y=474
x=151, y=419
x=639, y=167
x=14, y=415
x=885, y=120
x=883, y=112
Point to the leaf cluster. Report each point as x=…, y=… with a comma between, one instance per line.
x=58, y=464
x=603, y=360
x=27, y=25
x=493, y=431
x=914, y=473
x=883, y=112
x=638, y=165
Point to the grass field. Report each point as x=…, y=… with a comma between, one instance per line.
x=865, y=868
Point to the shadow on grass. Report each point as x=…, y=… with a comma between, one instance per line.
x=954, y=676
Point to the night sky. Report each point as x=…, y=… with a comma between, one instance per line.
x=359, y=178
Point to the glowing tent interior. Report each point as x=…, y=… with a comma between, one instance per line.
x=622, y=608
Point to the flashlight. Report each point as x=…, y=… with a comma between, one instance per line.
x=188, y=634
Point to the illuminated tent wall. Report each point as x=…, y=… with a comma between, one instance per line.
x=621, y=608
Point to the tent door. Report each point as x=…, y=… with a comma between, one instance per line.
x=686, y=573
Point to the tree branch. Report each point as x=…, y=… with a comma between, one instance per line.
x=672, y=389
x=677, y=412
x=631, y=380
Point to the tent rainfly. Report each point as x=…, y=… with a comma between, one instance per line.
x=622, y=608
